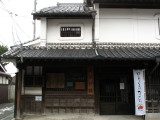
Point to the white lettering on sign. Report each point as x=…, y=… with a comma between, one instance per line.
x=139, y=90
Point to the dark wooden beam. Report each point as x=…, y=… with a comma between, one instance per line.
x=90, y=81
x=19, y=88
x=97, y=94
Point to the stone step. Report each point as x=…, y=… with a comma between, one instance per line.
x=83, y=117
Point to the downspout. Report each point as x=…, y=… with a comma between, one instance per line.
x=150, y=74
x=21, y=49
x=93, y=33
x=15, y=101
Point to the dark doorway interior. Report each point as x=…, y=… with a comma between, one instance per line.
x=116, y=92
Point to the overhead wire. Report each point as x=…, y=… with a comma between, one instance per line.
x=14, y=22
x=17, y=35
x=14, y=42
x=20, y=27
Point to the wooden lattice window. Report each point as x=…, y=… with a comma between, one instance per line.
x=70, y=31
x=66, y=79
x=33, y=76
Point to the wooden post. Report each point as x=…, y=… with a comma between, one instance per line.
x=90, y=81
x=19, y=94
x=152, y=106
x=97, y=95
x=43, y=88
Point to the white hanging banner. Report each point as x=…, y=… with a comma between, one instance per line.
x=139, y=90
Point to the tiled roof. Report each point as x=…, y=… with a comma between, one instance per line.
x=128, y=1
x=103, y=51
x=67, y=9
x=154, y=4
x=44, y=53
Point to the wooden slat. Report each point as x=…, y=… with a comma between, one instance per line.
x=55, y=80
x=90, y=81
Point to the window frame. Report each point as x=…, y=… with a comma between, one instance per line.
x=70, y=32
x=30, y=80
x=67, y=72
x=70, y=38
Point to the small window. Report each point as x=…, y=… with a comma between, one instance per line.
x=70, y=31
x=33, y=76
x=67, y=79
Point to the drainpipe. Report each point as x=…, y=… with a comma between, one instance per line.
x=150, y=74
x=93, y=32
x=21, y=49
x=15, y=101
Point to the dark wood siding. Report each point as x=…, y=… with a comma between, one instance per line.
x=3, y=93
x=30, y=106
x=73, y=103
x=153, y=91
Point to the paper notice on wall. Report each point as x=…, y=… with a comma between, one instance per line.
x=121, y=86
x=139, y=89
x=38, y=98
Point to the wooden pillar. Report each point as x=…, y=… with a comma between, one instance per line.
x=43, y=89
x=19, y=88
x=90, y=81
x=97, y=95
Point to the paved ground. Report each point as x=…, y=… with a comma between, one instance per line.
x=82, y=117
x=6, y=111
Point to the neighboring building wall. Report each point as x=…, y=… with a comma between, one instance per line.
x=7, y=91
x=11, y=93
x=53, y=30
x=128, y=25
x=32, y=91
x=3, y=89
x=3, y=93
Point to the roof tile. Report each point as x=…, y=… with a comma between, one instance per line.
x=104, y=50
x=65, y=9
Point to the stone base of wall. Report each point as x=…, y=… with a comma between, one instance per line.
x=150, y=116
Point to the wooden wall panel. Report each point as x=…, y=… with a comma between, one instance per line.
x=69, y=104
x=90, y=81
x=4, y=93
x=80, y=85
x=30, y=106
x=55, y=80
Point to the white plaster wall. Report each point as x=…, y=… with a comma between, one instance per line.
x=53, y=30
x=0, y=79
x=32, y=90
x=11, y=92
x=128, y=25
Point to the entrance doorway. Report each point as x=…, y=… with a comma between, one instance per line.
x=116, y=93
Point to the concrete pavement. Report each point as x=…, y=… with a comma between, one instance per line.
x=6, y=111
